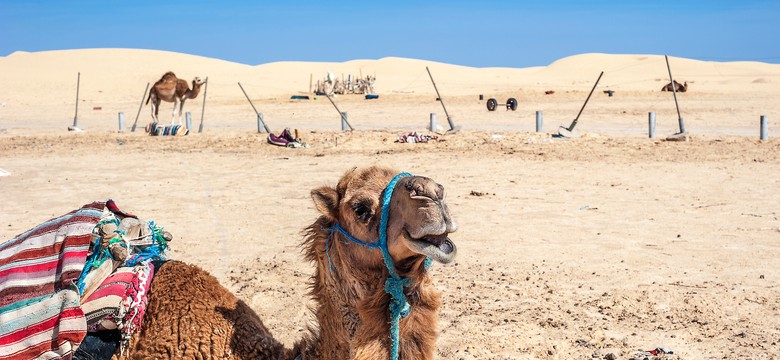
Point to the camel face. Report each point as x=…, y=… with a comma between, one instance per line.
x=426, y=221
x=419, y=221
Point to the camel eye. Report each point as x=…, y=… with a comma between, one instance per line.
x=363, y=211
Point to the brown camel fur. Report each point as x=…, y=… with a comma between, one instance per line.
x=677, y=87
x=171, y=89
x=191, y=316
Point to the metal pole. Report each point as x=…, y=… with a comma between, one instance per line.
x=344, y=123
x=453, y=129
x=538, y=121
x=674, y=92
x=121, y=121
x=439, y=95
x=574, y=123
x=259, y=115
x=433, y=122
x=188, y=120
x=248, y=99
x=343, y=118
x=203, y=108
x=764, y=128
x=452, y=124
x=261, y=124
x=141, y=105
x=76, y=116
x=651, y=124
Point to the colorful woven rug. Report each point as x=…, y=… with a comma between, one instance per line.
x=40, y=314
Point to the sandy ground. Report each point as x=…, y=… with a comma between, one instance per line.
x=568, y=248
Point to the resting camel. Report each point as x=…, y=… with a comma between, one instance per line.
x=171, y=89
x=677, y=87
x=191, y=316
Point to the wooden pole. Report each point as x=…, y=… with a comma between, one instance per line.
x=76, y=116
x=141, y=105
x=203, y=108
x=311, y=79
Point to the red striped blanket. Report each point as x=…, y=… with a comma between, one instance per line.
x=40, y=314
x=120, y=301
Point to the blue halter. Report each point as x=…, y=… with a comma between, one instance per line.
x=394, y=285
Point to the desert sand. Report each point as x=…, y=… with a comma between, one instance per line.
x=608, y=243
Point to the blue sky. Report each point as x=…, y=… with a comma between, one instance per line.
x=471, y=33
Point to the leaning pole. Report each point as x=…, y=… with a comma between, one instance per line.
x=140, y=106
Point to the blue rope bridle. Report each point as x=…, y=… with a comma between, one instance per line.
x=394, y=285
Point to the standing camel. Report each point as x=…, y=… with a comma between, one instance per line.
x=191, y=316
x=171, y=89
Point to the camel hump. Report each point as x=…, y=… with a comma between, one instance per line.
x=168, y=77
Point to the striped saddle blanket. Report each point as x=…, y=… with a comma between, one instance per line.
x=40, y=313
x=43, y=314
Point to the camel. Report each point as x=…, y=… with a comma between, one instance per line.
x=677, y=87
x=171, y=89
x=191, y=316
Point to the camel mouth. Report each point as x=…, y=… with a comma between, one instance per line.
x=437, y=247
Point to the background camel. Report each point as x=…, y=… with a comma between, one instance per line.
x=677, y=87
x=190, y=315
x=171, y=89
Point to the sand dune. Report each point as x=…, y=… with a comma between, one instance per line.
x=119, y=73
x=39, y=91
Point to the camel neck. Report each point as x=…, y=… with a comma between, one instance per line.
x=195, y=90
x=352, y=307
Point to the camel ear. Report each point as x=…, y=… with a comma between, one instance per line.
x=326, y=199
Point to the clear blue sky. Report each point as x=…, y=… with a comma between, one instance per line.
x=472, y=33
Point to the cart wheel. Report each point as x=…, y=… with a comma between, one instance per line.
x=492, y=104
x=511, y=104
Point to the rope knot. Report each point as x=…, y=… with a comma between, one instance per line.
x=399, y=307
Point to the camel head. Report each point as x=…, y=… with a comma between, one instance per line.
x=197, y=81
x=418, y=225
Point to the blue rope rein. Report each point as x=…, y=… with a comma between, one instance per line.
x=394, y=285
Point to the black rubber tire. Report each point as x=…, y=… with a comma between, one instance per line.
x=511, y=104
x=492, y=104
